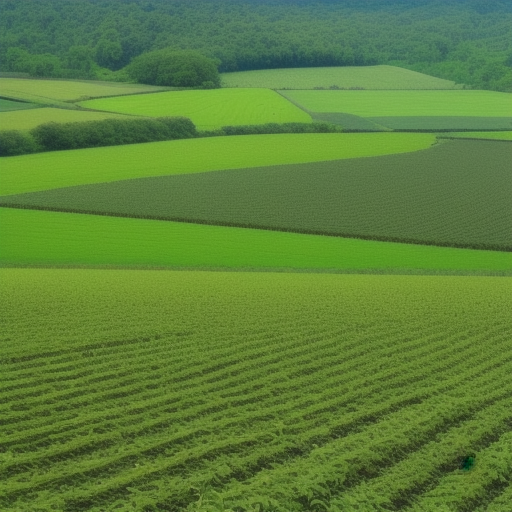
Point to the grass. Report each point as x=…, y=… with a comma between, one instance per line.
x=406, y=103
x=50, y=91
x=368, y=77
x=209, y=109
x=164, y=390
x=8, y=106
x=479, y=135
x=44, y=171
x=31, y=237
x=443, y=122
x=28, y=119
x=438, y=196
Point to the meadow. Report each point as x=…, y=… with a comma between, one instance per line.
x=209, y=109
x=367, y=77
x=43, y=171
x=8, y=105
x=48, y=91
x=405, y=103
x=437, y=196
x=479, y=135
x=32, y=237
x=28, y=119
x=126, y=382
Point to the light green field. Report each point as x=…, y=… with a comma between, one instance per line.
x=38, y=237
x=43, y=171
x=479, y=135
x=209, y=109
x=368, y=77
x=48, y=91
x=406, y=103
x=28, y=119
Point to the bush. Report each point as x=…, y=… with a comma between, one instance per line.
x=270, y=128
x=111, y=132
x=17, y=143
x=174, y=68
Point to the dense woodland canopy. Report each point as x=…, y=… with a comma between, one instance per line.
x=469, y=41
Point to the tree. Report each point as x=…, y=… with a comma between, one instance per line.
x=175, y=68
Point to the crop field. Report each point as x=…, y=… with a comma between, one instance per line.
x=209, y=109
x=32, y=237
x=210, y=391
x=47, y=91
x=44, y=171
x=367, y=77
x=480, y=135
x=406, y=103
x=28, y=119
x=438, y=196
x=8, y=106
x=442, y=122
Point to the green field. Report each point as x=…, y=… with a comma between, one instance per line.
x=406, y=103
x=48, y=91
x=28, y=119
x=8, y=106
x=479, y=135
x=446, y=123
x=44, y=171
x=205, y=391
x=31, y=237
x=368, y=77
x=438, y=196
x=209, y=109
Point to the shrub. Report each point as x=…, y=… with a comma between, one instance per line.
x=17, y=143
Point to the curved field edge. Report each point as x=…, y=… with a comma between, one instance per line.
x=209, y=109
x=43, y=171
x=119, y=380
x=367, y=77
x=31, y=237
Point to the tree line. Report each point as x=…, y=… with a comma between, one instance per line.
x=468, y=41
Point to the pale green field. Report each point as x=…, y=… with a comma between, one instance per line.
x=28, y=119
x=37, y=237
x=43, y=171
x=368, y=77
x=406, y=103
x=46, y=91
x=209, y=109
x=479, y=135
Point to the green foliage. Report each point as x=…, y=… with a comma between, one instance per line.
x=17, y=143
x=252, y=391
x=175, y=68
x=111, y=132
x=425, y=197
x=274, y=128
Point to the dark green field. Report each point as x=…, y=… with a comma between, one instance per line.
x=8, y=105
x=439, y=123
x=438, y=196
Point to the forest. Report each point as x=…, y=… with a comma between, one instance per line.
x=468, y=42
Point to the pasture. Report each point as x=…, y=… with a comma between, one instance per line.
x=8, y=106
x=209, y=109
x=405, y=103
x=138, y=390
x=32, y=237
x=48, y=90
x=44, y=171
x=367, y=77
x=479, y=135
x=28, y=119
x=437, y=196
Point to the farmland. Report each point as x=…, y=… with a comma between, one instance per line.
x=405, y=103
x=371, y=397
x=426, y=197
x=28, y=119
x=32, y=237
x=366, y=77
x=8, y=105
x=480, y=135
x=44, y=171
x=47, y=91
x=209, y=109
